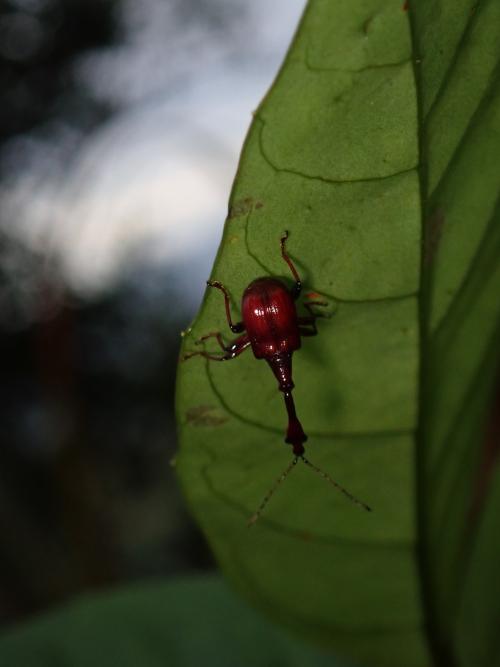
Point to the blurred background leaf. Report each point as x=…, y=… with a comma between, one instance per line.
x=183, y=623
x=383, y=115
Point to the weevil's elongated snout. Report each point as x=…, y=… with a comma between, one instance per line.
x=281, y=366
x=295, y=435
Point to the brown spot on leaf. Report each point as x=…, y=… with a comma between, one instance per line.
x=306, y=535
x=243, y=207
x=205, y=415
x=406, y=6
x=433, y=231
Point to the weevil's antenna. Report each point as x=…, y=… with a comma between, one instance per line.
x=346, y=493
x=269, y=494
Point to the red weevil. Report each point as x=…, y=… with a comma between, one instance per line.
x=273, y=328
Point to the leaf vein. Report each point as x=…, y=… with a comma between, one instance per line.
x=470, y=24
x=475, y=263
x=330, y=295
x=487, y=98
x=389, y=433
x=317, y=177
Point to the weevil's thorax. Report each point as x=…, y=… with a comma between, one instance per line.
x=270, y=318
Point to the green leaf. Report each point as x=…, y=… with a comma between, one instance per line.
x=178, y=623
x=460, y=111
x=377, y=147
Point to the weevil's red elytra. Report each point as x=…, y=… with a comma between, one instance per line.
x=273, y=329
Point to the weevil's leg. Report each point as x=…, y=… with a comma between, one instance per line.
x=310, y=320
x=298, y=284
x=308, y=332
x=235, y=328
x=231, y=351
x=308, y=304
x=213, y=334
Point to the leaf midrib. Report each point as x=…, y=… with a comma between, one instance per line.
x=439, y=653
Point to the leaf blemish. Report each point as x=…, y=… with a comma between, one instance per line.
x=367, y=24
x=243, y=207
x=205, y=415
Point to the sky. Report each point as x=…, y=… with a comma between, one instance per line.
x=150, y=186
